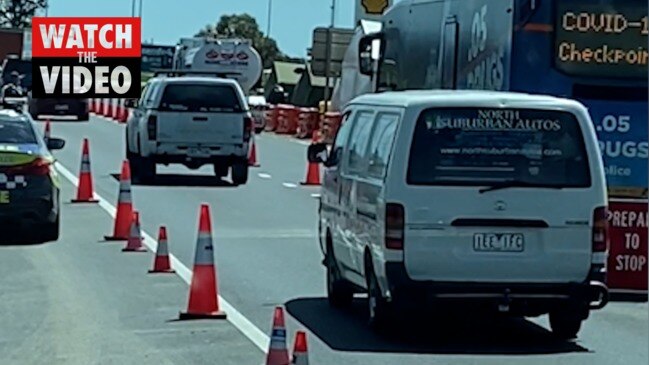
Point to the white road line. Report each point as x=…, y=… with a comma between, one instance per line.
x=315, y=196
x=264, y=175
x=289, y=185
x=254, y=334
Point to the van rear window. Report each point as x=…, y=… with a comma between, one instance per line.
x=478, y=146
x=200, y=98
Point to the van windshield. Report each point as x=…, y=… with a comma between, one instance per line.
x=200, y=98
x=481, y=146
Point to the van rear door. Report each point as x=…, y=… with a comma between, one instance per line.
x=200, y=113
x=498, y=195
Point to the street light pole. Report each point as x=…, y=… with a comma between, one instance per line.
x=141, y=1
x=327, y=90
x=270, y=12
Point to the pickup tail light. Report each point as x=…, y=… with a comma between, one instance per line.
x=152, y=127
x=38, y=167
x=600, y=235
x=247, y=127
x=394, y=226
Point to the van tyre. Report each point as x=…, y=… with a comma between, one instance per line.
x=339, y=292
x=240, y=173
x=565, y=324
x=379, y=313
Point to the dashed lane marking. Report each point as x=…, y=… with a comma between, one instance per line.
x=264, y=175
x=289, y=185
x=254, y=334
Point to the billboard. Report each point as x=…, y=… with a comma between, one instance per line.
x=156, y=57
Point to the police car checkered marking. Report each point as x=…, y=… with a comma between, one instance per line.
x=10, y=183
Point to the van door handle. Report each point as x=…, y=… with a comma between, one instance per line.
x=200, y=119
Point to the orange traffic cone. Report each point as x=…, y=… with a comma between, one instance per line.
x=300, y=350
x=312, y=174
x=278, y=352
x=134, y=243
x=203, y=292
x=252, y=157
x=161, y=262
x=85, y=192
x=48, y=131
x=124, y=206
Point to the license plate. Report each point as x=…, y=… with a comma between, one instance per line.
x=498, y=242
x=61, y=107
x=198, y=152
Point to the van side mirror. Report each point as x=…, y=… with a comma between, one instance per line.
x=317, y=153
x=130, y=103
x=55, y=143
x=368, y=52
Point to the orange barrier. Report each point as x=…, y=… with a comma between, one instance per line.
x=308, y=122
x=161, y=263
x=271, y=118
x=134, y=243
x=300, y=349
x=330, y=124
x=124, y=206
x=277, y=349
x=287, y=120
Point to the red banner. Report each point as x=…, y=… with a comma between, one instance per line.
x=627, y=262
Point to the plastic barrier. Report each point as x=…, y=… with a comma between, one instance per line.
x=271, y=118
x=288, y=119
x=330, y=125
x=309, y=120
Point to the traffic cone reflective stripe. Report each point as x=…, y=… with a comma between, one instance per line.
x=252, y=158
x=161, y=262
x=85, y=192
x=300, y=350
x=124, y=214
x=203, y=291
x=134, y=243
x=278, y=350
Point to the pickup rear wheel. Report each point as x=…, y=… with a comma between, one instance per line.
x=565, y=324
x=221, y=171
x=240, y=173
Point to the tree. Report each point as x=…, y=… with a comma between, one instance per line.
x=245, y=26
x=19, y=13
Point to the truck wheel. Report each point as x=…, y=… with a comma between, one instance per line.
x=565, y=324
x=221, y=171
x=240, y=173
x=84, y=117
x=339, y=293
x=379, y=313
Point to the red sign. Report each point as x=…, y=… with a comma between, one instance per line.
x=627, y=261
x=67, y=36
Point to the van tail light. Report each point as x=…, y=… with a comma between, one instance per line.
x=247, y=127
x=38, y=167
x=600, y=244
x=152, y=127
x=394, y=226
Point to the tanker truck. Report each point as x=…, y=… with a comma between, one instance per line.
x=230, y=58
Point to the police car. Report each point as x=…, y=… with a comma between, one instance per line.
x=29, y=185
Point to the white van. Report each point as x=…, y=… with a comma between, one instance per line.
x=463, y=198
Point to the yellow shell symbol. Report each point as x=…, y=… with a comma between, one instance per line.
x=375, y=7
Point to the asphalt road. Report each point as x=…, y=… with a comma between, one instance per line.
x=81, y=301
x=267, y=255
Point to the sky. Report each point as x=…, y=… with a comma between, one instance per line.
x=166, y=21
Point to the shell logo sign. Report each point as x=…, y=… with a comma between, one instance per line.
x=371, y=9
x=375, y=7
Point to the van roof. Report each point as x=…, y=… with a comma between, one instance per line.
x=468, y=98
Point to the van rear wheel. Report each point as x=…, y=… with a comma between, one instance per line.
x=379, y=314
x=339, y=293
